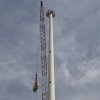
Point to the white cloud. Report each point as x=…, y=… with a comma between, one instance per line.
x=90, y=71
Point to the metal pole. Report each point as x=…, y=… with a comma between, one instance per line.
x=51, y=80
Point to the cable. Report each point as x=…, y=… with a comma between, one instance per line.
x=37, y=56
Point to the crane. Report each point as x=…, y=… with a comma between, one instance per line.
x=43, y=57
x=48, y=81
x=43, y=54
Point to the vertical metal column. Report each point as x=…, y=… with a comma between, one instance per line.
x=43, y=54
x=51, y=80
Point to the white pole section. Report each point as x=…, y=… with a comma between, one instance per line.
x=51, y=79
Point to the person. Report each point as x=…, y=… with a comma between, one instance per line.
x=36, y=84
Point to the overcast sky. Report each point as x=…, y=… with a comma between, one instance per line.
x=77, y=48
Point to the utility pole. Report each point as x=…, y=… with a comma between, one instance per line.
x=51, y=80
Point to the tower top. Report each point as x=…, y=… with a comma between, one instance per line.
x=41, y=3
x=50, y=12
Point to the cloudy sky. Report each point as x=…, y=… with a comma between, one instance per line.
x=77, y=48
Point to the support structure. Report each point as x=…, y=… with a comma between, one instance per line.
x=51, y=81
x=48, y=81
x=43, y=54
